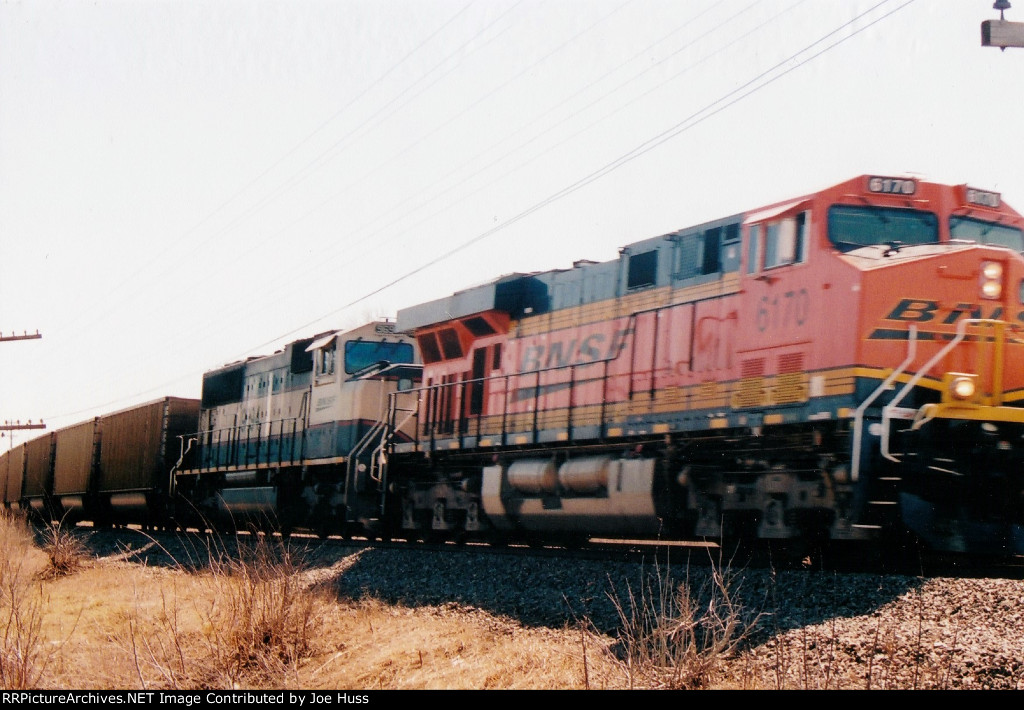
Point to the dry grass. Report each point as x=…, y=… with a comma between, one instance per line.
x=247, y=621
x=677, y=635
x=255, y=617
x=246, y=612
x=385, y=647
x=25, y=651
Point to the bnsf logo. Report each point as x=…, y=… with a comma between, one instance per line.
x=914, y=310
x=575, y=352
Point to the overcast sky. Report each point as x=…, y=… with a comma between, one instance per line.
x=183, y=184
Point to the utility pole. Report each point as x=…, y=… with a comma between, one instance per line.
x=17, y=425
x=1000, y=33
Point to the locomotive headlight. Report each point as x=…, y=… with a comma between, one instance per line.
x=991, y=281
x=961, y=387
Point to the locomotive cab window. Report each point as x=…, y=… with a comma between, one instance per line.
x=360, y=354
x=785, y=241
x=324, y=361
x=429, y=347
x=982, y=232
x=852, y=227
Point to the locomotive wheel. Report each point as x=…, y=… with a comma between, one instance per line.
x=322, y=530
x=286, y=529
x=322, y=519
x=574, y=541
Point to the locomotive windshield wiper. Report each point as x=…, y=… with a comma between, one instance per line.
x=894, y=246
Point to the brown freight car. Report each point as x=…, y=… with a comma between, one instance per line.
x=138, y=449
x=112, y=469
x=5, y=474
x=12, y=469
x=37, y=486
x=74, y=459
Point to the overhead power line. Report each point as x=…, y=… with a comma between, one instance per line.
x=728, y=99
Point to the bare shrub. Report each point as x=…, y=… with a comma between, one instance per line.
x=263, y=619
x=63, y=547
x=676, y=635
x=251, y=627
x=24, y=651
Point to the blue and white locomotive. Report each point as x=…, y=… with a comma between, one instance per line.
x=294, y=439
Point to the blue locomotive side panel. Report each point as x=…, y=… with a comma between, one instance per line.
x=252, y=413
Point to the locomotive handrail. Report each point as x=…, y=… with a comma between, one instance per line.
x=443, y=413
x=181, y=458
x=891, y=408
x=353, y=456
x=858, y=416
x=445, y=401
x=387, y=417
x=377, y=455
x=241, y=453
x=444, y=397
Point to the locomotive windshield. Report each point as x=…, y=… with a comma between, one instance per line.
x=852, y=227
x=363, y=353
x=983, y=232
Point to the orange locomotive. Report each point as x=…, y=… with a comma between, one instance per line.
x=848, y=365
x=841, y=366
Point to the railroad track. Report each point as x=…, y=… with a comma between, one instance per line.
x=194, y=547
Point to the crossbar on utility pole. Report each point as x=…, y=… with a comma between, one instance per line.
x=12, y=426
x=23, y=336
